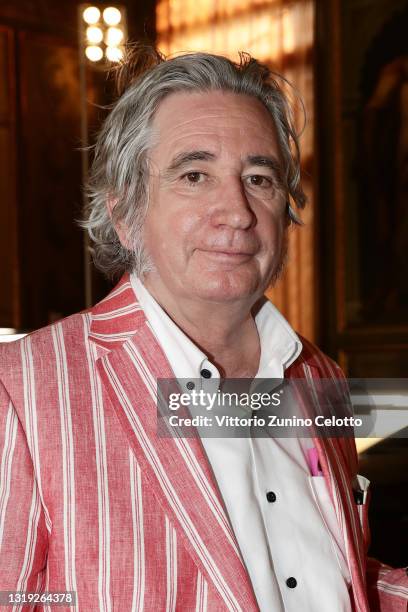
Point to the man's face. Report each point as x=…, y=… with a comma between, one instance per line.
x=215, y=226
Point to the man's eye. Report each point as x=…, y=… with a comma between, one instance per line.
x=257, y=180
x=193, y=177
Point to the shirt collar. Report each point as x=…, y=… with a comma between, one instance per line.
x=280, y=345
x=185, y=357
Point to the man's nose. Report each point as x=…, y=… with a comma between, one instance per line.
x=232, y=207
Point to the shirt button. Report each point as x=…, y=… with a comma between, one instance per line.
x=291, y=582
x=205, y=373
x=271, y=496
x=190, y=385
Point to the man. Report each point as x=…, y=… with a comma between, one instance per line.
x=192, y=190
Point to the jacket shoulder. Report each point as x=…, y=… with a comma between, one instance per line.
x=41, y=341
x=314, y=359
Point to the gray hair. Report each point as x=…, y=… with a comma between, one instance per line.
x=119, y=173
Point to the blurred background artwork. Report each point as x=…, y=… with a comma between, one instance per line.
x=346, y=283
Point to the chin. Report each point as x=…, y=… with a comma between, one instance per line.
x=226, y=288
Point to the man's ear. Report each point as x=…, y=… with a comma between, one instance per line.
x=120, y=227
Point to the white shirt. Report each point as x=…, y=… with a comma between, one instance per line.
x=295, y=536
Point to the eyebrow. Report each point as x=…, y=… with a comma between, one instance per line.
x=265, y=161
x=270, y=162
x=184, y=158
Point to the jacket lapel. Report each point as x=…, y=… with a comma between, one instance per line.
x=130, y=362
x=338, y=460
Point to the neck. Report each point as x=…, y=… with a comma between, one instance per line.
x=225, y=331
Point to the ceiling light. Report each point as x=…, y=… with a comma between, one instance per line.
x=91, y=14
x=94, y=34
x=114, y=54
x=94, y=53
x=114, y=37
x=112, y=16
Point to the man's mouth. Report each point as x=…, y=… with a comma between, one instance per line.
x=231, y=254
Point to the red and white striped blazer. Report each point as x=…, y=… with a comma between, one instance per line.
x=92, y=501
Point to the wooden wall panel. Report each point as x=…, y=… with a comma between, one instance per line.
x=363, y=313
x=51, y=244
x=9, y=309
x=41, y=248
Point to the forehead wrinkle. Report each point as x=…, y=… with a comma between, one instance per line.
x=169, y=121
x=218, y=144
x=222, y=140
x=188, y=108
x=201, y=127
x=205, y=114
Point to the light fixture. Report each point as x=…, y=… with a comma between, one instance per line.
x=94, y=53
x=94, y=34
x=112, y=16
x=102, y=33
x=91, y=15
x=114, y=37
x=114, y=54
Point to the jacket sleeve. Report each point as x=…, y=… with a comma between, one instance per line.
x=387, y=588
x=23, y=533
